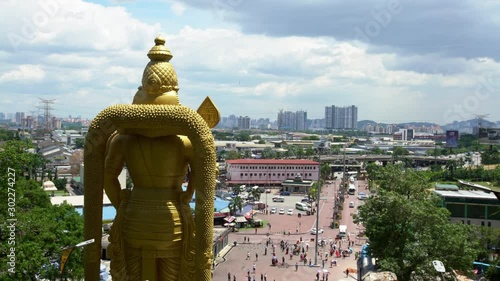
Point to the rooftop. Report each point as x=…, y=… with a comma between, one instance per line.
x=273, y=161
x=472, y=194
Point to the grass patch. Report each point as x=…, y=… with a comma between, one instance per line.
x=57, y=193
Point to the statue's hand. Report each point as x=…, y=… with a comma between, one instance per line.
x=124, y=195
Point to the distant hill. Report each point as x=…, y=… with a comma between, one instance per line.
x=466, y=126
x=472, y=123
x=362, y=123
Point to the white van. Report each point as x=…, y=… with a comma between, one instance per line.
x=352, y=189
x=342, y=230
x=301, y=206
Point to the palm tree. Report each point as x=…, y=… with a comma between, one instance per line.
x=309, y=152
x=325, y=171
x=247, y=154
x=256, y=194
x=236, y=204
x=300, y=152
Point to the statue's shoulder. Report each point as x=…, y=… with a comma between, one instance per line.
x=116, y=139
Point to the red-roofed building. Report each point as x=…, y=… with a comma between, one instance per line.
x=269, y=171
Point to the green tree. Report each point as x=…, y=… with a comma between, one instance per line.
x=232, y=154
x=235, y=205
x=325, y=171
x=490, y=156
x=15, y=154
x=60, y=183
x=256, y=194
x=410, y=229
x=242, y=136
x=79, y=143
x=41, y=231
x=268, y=153
x=247, y=154
x=313, y=191
x=6, y=135
x=299, y=152
x=309, y=152
x=313, y=137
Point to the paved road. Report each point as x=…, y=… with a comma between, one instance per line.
x=236, y=263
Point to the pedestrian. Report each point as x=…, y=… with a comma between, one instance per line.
x=256, y=230
x=248, y=255
x=261, y=277
x=229, y=276
x=347, y=272
x=296, y=266
x=256, y=257
x=283, y=259
x=327, y=276
x=297, y=230
x=265, y=276
x=317, y=276
x=253, y=266
x=265, y=251
x=234, y=277
x=244, y=239
x=248, y=272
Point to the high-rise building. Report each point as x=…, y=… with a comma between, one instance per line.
x=337, y=117
x=243, y=123
x=292, y=121
x=56, y=123
x=19, y=118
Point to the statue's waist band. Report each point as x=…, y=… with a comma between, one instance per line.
x=155, y=194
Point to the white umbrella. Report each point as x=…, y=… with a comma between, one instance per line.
x=325, y=270
x=226, y=224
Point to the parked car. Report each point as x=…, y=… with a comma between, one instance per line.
x=274, y=210
x=290, y=212
x=282, y=211
x=278, y=199
x=351, y=204
x=362, y=196
x=285, y=193
x=313, y=230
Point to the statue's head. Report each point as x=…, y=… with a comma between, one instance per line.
x=159, y=80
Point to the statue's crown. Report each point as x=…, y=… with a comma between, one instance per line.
x=159, y=52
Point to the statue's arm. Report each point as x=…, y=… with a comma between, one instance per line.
x=112, y=169
x=186, y=197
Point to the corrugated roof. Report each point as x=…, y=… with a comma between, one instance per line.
x=466, y=194
x=273, y=161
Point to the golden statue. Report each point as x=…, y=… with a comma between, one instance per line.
x=154, y=236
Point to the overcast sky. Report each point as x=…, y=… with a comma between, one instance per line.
x=397, y=60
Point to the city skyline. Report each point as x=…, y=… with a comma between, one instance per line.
x=255, y=58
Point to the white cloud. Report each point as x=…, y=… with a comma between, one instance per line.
x=178, y=8
x=98, y=53
x=24, y=73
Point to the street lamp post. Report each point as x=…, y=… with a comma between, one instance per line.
x=317, y=204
